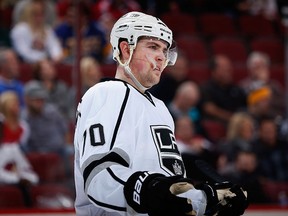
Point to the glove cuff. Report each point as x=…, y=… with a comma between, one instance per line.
x=135, y=187
x=211, y=196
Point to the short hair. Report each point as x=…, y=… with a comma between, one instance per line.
x=257, y=55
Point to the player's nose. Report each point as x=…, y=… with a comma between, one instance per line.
x=161, y=56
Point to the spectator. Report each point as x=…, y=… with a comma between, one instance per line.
x=259, y=104
x=271, y=151
x=32, y=39
x=185, y=103
x=266, y=8
x=61, y=8
x=50, y=15
x=9, y=72
x=240, y=132
x=220, y=97
x=245, y=171
x=185, y=99
x=48, y=125
x=191, y=145
x=105, y=24
x=93, y=39
x=171, y=79
x=15, y=169
x=115, y=7
x=59, y=94
x=283, y=129
x=90, y=72
x=258, y=65
x=187, y=138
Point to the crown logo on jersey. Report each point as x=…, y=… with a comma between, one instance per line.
x=177, y=168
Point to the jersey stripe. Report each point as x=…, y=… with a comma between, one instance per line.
x=120, y=115
x=106, y=205
x=115, y=177
x=97, y=163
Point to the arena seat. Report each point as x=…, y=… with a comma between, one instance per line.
x=108, y=70
x=52, y=196
x=274, y=189
x=180, y=23
x=254, y=26
x=199, y=73
x=272, y=46
x=195, y=48
x=278, y=73
x=240, y=72
x=49, y=166
x=216, y=24
x=233, y=47
x=11, y=197
x=65, y=73
x=25, y=72
x=216, y=131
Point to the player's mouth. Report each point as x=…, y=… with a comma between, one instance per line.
x=157, y=68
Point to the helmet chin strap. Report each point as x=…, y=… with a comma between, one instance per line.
x=129, y=72
x=136, y=82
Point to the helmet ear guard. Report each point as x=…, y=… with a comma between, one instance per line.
x=172, y=54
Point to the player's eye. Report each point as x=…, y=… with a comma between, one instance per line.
x=153, y=47
x=165, y=52
x=158, y=49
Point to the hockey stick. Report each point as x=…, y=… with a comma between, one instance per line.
x=210, y=174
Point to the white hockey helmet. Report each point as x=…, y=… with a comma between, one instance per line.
x=133, y=25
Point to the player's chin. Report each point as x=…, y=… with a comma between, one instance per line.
x=152, y=82
x=156, y=79
x=156, y=75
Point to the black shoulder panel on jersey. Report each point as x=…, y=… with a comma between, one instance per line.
x=120, y=115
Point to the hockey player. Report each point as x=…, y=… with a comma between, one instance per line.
x=126, y=158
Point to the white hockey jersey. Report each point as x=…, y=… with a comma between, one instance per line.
x=119, y=131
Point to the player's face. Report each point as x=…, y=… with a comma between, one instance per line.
x=149, y=60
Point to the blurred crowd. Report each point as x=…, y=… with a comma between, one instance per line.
x=239, y=127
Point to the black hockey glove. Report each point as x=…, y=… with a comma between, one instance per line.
x=236, y=205
x=151, y=193
x=224, y=199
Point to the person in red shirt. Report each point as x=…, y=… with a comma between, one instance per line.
x=15, y=169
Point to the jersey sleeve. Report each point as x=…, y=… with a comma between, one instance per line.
x=105, y=140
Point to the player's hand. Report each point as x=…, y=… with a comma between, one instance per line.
x=224, y=199
x=152, y=194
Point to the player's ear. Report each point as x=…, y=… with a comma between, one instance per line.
x=124, y=50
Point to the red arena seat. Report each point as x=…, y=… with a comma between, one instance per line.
x=253, y=26
x=217, y=25
x=273, y=47
x=180, y=23
x=195, y=48
x=233, y=47
x=11, y=197
x=52, y=196
x=49, y=166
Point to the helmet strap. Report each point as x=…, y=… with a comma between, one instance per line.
x=128, y=71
